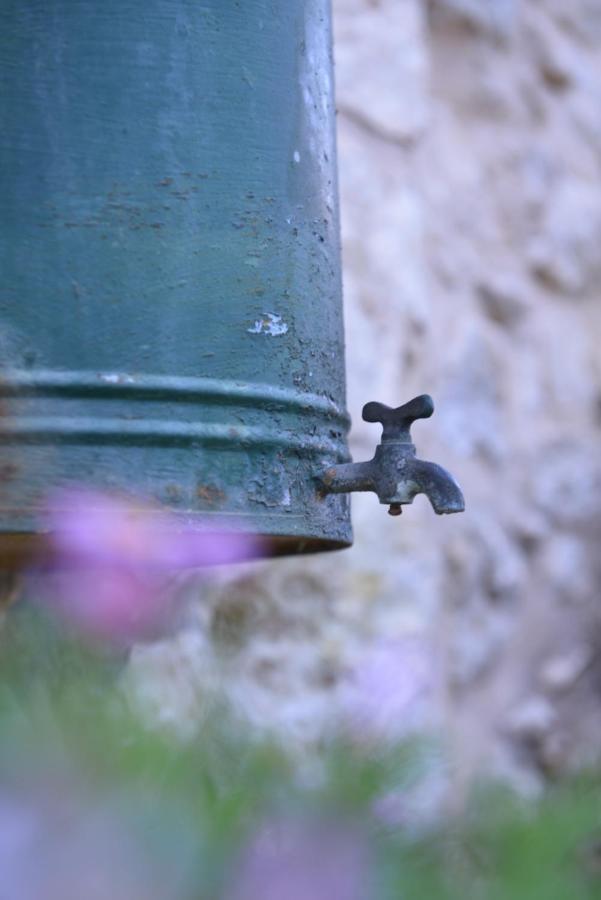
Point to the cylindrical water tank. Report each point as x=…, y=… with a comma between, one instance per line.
x=170, y=305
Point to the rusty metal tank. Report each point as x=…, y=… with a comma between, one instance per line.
x=170, y=305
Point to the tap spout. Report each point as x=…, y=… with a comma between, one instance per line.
x=439, y=486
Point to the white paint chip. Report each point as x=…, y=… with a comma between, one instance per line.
x=296, y=157
x=269, y=324
x=115, y=378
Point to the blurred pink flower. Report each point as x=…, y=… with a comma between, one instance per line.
x=390, y=692
x=110, y=561
x=303, y=860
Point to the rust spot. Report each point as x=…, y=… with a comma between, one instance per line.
x=172, y=493
x=8, y=471
x=210, y=494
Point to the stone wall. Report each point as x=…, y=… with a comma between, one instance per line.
x=470, y=171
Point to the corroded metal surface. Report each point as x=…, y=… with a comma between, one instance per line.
x=395, y=474
x=170, y=314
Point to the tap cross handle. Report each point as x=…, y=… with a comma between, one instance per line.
x=397, y=422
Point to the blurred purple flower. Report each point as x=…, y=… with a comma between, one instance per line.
x=303, y=860
x=390, y=692
x=109, y=561
x=69, y=848
x=390, y=809
x=18, y=830
x=420, y=803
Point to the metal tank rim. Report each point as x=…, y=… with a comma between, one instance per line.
x=108, y=384
x=163, y=430
x=21, y=549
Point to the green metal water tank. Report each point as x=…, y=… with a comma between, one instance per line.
x=170, y=298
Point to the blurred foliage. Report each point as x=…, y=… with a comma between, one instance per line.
x=171, y=819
